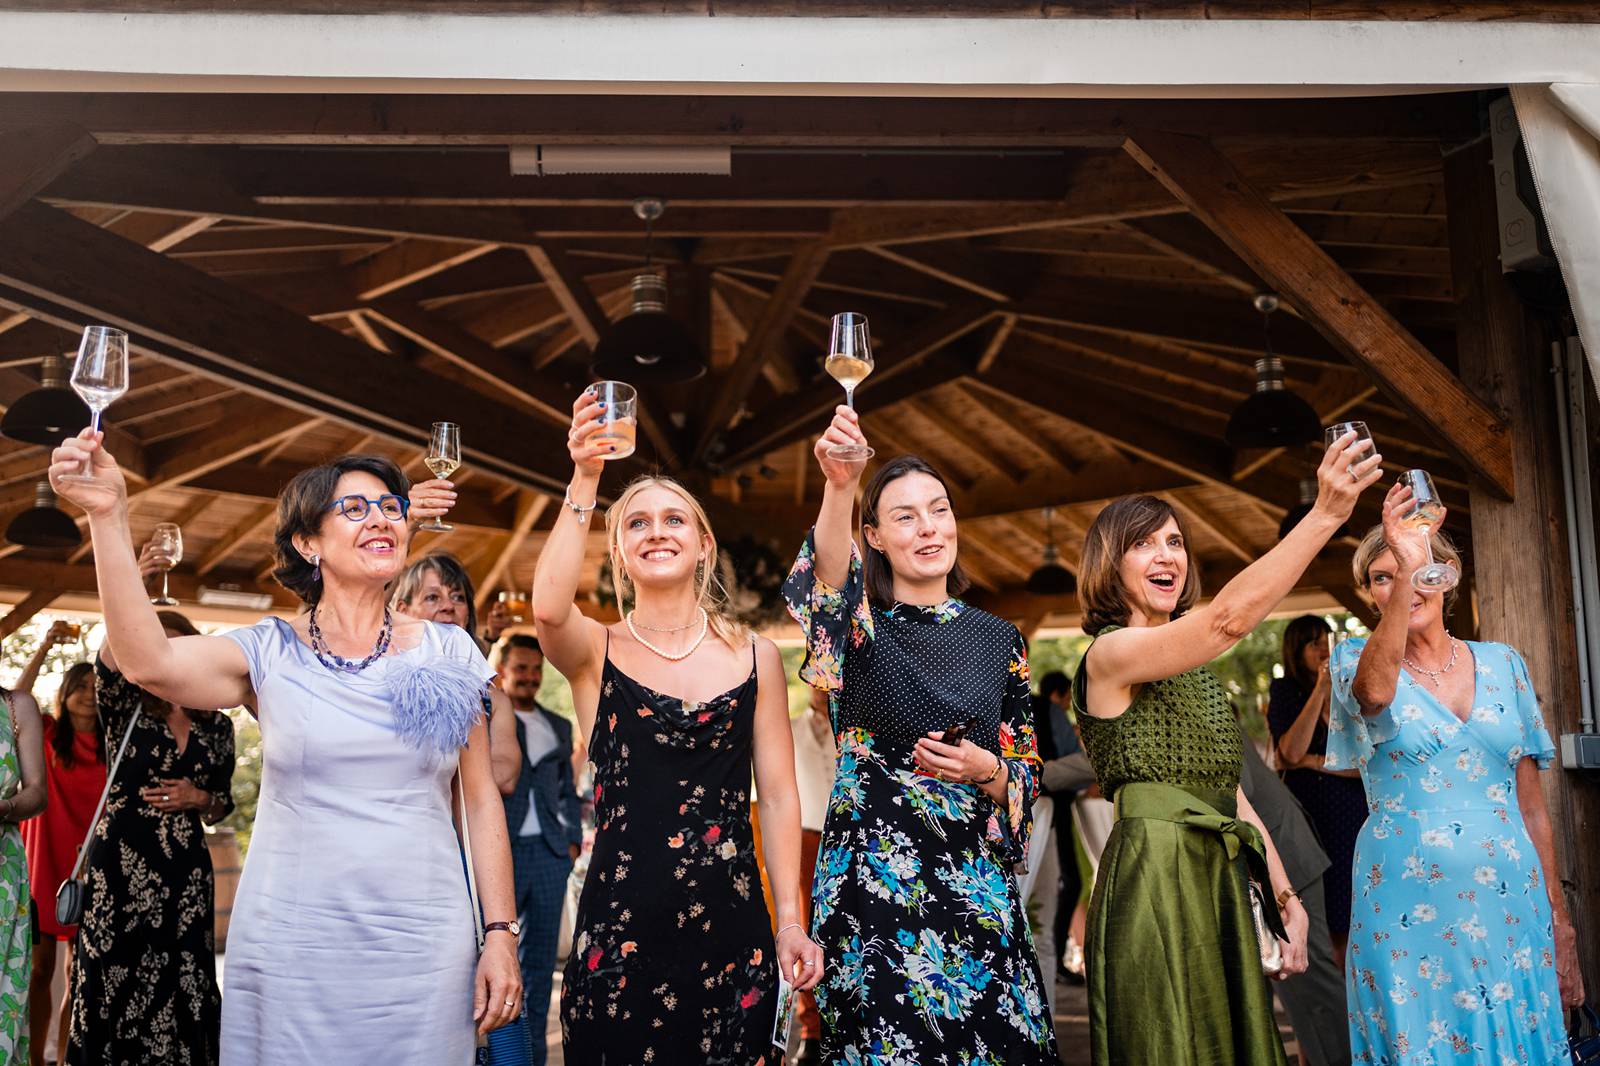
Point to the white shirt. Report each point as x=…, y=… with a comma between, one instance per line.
x=814, y=758
x=540, y=737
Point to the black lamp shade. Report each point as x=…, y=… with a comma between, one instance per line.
x=47, y=416
x=1276, y=418
x=649, y=347
x=44, y=525
x=1052, y=579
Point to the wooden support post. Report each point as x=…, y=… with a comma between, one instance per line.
x=1525, y=595
x=1329, y=298
x=31, y=605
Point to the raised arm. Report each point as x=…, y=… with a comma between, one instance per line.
x=29, y=738
x=841, y=478
x=1378, y=675
x=56, y=634
x=201, y=672
x=1139, y=654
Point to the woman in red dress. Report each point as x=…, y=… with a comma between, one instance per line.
x=75, y=774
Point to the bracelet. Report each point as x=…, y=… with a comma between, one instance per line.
x=580, y=511
x=1286, y=895
x=998, y=763
x=785, y=929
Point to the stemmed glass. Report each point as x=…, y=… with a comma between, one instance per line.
x=167, y=540
x=444, y=456
x=849, y=362
x=1423, y=515
x=99, y=376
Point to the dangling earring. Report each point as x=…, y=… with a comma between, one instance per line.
x=316, y=567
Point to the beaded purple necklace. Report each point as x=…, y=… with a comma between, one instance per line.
x=319, y=647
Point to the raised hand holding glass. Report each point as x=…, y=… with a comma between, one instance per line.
x=167, y=542
x=849, y=362
x=1423, y=515
x=99, y=375
x=444, y=457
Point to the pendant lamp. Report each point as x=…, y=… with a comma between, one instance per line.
x=1272, y=416
x=48, y=414
x=647, y=345
x=44, y=525
x=1051, y=578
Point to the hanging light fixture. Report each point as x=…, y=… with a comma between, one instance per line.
x=1308, y=496
x=1272, y=416
x=647, y=345
x=1051, y=579
x=48, y=414
x=44, y=525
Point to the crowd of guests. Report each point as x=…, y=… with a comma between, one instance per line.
x=937, y=840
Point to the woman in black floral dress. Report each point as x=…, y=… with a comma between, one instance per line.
x=144, y=985
x=673, y=957
x=931, y=958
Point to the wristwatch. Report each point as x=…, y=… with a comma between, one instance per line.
x=514, y=928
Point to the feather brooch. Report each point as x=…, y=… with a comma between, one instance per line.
x=437, y=701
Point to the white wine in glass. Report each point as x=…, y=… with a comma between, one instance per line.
x=1423, y=516
x=99, y=376
x=167, y=540
x=849, y=362
x=444, y=458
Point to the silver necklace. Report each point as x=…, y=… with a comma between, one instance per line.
x=1433, y=676
x=664, y=629
x=705, y=627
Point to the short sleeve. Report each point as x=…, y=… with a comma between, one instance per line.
x=117, y=700
x=262, y=645
x=458, y=644
x=1009, y=829
x=1352, y=736
x=834, y=620
x=1535, y=736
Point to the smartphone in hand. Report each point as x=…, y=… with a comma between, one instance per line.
x=957, y=733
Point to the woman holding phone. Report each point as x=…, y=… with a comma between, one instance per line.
x=930, y=955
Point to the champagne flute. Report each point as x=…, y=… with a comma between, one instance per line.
x=1423, y=516
x=849, y=362
x=99, y=376
x=444, y=456
x=167, y=540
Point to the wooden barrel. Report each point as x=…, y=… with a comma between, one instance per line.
x=225, y=865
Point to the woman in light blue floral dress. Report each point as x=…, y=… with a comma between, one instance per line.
x=1452, y=956
x=931, y=962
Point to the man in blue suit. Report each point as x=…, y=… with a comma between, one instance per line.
x=542, y=816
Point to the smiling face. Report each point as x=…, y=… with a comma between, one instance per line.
x=80, y=702
x=915, y=529
x=521, y=674
x=372, y=550
x=437, y=602
x=1426, y=609
x=658, y=542
x=1152, y=572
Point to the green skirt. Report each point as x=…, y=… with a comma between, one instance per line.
x=1173, y=967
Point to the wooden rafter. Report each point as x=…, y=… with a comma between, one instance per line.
x=23, y=612
x=30, y=159
x=530, y=506
x=408, y=262
x=571, y=291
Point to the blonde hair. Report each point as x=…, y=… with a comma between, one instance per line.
x=709, y=590
x=1375, y=544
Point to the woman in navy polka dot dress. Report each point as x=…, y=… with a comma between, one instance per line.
x=929, y=953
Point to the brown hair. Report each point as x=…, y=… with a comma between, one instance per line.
x=77, y=676
x=875, y=564
x=1298, y=635
x=303, y=506
x=1375, y=544
x=1118, y=526
x=709, y=591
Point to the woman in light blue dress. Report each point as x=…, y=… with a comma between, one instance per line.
x=1452, y=958
x=352, y=937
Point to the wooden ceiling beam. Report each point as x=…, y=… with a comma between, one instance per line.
x=530, y=506
x=22, y=613
x=1299, y=270
x=79, y=579
x=31, y=158
x=409, y=261
x=571, y=291
x=249, y=528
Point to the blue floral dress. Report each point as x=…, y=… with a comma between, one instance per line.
x=1452, y=955
x=930, y=961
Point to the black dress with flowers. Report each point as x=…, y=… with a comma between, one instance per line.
x=672, y=958
x=929, y=958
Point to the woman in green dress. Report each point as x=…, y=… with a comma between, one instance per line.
x=1174, y=968
x=22, y=795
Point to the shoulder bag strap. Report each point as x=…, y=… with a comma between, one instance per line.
x=466, y=847
x=111, y=776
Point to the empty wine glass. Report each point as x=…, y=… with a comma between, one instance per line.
x=99, y=375
x=849, y=362
x=1423, y=516
x=1364, y=444
x=444, y=457
x=167, y=541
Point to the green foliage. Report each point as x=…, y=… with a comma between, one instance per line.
x=246, y=776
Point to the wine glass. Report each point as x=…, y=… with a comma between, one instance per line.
x=444, y=456
x=1423, y=516
x=619, y=422
x=1364, y=444
x=516, y=604
x=849, y=362
x=167, y=540
x=99, y=375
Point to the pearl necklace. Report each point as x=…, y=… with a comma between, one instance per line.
x=1434, y=675
x=705, y=627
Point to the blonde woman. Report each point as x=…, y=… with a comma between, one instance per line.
x=673, y=956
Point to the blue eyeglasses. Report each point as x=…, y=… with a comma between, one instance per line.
x=356, y=508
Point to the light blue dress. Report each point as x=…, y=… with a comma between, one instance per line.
x=352, y=937
x=1452, y=957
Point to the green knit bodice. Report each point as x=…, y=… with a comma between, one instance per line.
x=1179, y=730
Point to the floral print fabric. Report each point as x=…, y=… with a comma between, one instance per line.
x=16, y=954
x=930, y=960
x=672, y=958
x=1452, y=956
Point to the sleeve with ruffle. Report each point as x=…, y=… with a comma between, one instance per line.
x=835, y=620
x=1011, y=824
x=1352, y=736
x=1535, y=737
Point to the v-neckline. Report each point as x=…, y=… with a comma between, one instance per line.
x=1419, y=684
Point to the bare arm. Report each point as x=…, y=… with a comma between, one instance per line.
x=1296, y=741
x=499, y=976
x=1130, y=657
x=1295, y=920
x=834, y=535
x=779, y=801
x=31, y=798
x=56, y=634
x=189, y=671
x=1536, y=818
x=505, y=754
x=1378, y=673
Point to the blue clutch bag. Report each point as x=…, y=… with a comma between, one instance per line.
x=1586, y=1049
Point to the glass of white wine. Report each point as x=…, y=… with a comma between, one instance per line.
x=99, y=376
x=167, y=540
x=444, y=456
x=849, y=362
x=1423, y=516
